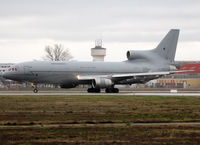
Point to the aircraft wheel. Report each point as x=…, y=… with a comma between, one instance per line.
x=116, y=90
x=90, y=90
x=112, y=90
x=35, y=90
x=94, y=90
x=108, y=90
x=97, y=90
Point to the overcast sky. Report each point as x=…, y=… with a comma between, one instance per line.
x=27, y=26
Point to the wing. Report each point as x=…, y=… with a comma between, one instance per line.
x=119, y=77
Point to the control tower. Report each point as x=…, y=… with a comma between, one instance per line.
x=98, y=52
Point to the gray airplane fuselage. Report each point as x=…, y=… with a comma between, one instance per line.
x=66, y=72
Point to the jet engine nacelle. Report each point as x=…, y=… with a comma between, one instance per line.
x=131, y=55
x=102, y=83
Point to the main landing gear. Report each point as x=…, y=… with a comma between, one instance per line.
x=108, y=90
x=94, y=90
x=112, y=90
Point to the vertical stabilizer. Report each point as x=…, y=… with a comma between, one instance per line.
x=167, y=47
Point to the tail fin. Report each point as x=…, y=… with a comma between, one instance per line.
x=167, y=47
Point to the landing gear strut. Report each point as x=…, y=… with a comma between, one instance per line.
x=94, y=90
x=112, y=90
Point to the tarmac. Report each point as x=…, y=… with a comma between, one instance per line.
x=122, y=93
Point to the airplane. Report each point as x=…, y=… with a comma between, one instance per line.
x=140, y=67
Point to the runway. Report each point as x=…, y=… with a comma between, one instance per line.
x=122, y=93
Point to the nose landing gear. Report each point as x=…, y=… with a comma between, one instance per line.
x=35, y=90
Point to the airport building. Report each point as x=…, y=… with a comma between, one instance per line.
x=183, y=79
x=98, y=52
x=4, y=67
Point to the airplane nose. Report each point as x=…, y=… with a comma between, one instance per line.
x=4, y=75
x=7, y=75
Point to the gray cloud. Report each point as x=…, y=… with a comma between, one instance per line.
x=114, y=20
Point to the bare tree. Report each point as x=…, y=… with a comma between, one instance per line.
x=57, y=53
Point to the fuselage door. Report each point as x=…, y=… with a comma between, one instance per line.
x=27, y=70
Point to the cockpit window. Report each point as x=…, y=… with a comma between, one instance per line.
x=12, y=69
